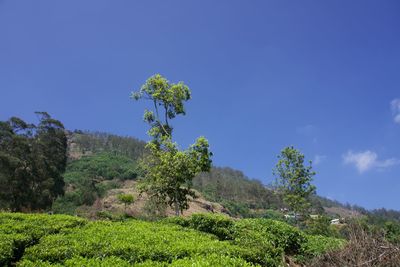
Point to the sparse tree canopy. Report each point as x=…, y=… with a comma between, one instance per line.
x=168, y=170
x=294, y=179
x=168, y=102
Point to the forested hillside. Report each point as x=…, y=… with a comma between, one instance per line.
x=108, y=159
x=83, y=143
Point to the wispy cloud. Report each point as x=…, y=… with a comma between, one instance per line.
x=368, y=160
x=395, y=106
x=318, y=159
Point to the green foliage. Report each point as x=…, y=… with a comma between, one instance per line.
x=269, y=232
x=273, y=215
x=32, y=161
x=267, y=239
x=166, y=96
x=17, y=231
x=89, y=143
x=132, y=241
x=321, y=226
x=212, y=260
x=168, y=171
x=218, y=225
x=102, y=166
x=126, y=199
x=236, y=192
x=90, y=177
x=316, y=245
x=60, y=240
x=294, y=179
x=392, y=231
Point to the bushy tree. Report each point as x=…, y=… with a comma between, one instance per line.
x=293, y=179
x=168, y=170
x=126, y=199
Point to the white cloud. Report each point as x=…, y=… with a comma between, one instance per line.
x=395, y=106
x=368, y=160
x=318, y=159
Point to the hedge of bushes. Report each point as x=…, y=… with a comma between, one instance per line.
x=133, y=241
x=200, y=240
x=211, y=260
x=18, y=231
x=268, y=239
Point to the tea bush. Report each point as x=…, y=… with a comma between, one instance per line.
x=317, y=245
x=58, y=240
x=212, y=260
x=218, y=225
x=18, y=231
x=133, y=241
x=276, y=233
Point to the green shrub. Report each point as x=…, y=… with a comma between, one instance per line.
x=279, y=234
x=321, y=226
x=212, y=260
x=316, y=245
x=133, y=241
x=218, y=225
x=267, y=239
x=177, y=220
x=17, y=231
x=273, y=215
x=126, y=199
x=79, y=261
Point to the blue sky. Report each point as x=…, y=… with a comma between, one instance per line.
x=320, y=75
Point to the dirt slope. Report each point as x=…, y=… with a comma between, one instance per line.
x=111, y=204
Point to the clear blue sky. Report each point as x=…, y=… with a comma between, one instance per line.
x=323, y=76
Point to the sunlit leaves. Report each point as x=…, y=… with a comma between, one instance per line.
x=294, y=179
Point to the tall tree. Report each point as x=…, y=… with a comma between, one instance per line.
x=294, y=179
x=32, y=160
x=168, y=171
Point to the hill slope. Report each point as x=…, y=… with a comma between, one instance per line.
x=116, y=156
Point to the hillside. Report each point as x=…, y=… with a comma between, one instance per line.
x=99, y=162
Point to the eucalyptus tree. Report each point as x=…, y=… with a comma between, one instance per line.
x=32, y=161
x=168, y=171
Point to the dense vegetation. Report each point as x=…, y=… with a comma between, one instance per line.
x=89, y=178
x=89, y=143
x=100, y=162
x=32, y=161
x=205, y=240
x=239, y=194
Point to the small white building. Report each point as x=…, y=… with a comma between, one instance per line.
x=335, y=221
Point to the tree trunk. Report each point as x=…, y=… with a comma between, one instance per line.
x=177, y=210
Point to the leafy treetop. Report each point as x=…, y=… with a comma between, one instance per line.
x=294, y=179
x=168, y=98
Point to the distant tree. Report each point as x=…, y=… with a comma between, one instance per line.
x=321, y=226
x=126, y=199
x=32, y=160
x=168, y=171
x=293, y=179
